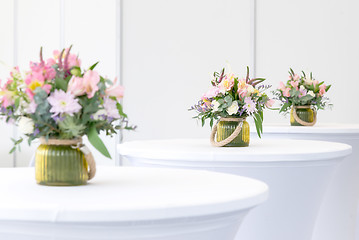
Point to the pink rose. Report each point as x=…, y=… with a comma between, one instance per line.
x=116, y=91
x=90, y=81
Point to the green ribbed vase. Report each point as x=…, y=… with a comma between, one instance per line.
x=305, y=114
x=226, y=128
x=60, y=165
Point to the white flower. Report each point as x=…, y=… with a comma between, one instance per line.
x=311, y=93
x=26, y=125
x=250, y=90
x=308, y=81
x=302, y=88
x=233, y=109
x=215, y=105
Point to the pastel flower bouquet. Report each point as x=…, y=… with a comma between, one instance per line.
x=303, y=96
x=55, y=99
x=232, y=100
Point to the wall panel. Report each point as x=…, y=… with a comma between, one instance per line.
x=6, y=62
x=170, y=50
x=317, y=36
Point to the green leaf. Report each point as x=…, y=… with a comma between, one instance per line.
x=17, y=102
x=120, y=110
x=96, y=141
x=93, y=66
x=61, y=84
x=256, y=121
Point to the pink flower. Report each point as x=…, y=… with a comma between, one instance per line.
x=116, y=91
x=6, y=98
x=249, y=105
x=286, y=92
x=227, y=83
x=211, y=93
x=75, y=86
x=296, y=77
x=315, y=83
x=72, y=59
x=282, y=86
x=294, y=84
x=269, y=103
x=322, y=89
x=90, y=81
x=31, y=108
x=111, y=108
x=63, y=103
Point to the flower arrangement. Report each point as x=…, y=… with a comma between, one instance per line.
x=231, y=96
x=302, y=90
x=56, y=99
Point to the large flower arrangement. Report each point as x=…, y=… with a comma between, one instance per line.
x=302, y=90
x=231, y=96
x=56, y=99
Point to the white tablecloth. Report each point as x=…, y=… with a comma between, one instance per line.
x=119, y=200
x=297, y=172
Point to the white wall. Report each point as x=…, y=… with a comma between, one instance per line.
x=165, y=52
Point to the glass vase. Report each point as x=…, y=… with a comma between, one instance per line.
x=305, y=114
x=60, y=165
x=226, y=128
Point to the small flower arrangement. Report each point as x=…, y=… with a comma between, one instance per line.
x=302, y=90
x=231, y=96
x=56, y=99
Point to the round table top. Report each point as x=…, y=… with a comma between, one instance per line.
x=259, y=150
x=321, y=128
x=127, y=194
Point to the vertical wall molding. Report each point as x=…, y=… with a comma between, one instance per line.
x=253, y=44
x=62, y=24
x=15, y=62
x=119, y=7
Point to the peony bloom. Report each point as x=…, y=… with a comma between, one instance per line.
x=249, y=105
x=26, y=125
x=116, y=91
x=63, y=103
x=233, y=109
x=90, y=81
x=215, y=105
x=322, y=89
x=111, y=108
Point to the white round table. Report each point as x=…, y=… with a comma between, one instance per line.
x=297, y=172
x=337, y=218
x=125, y=203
